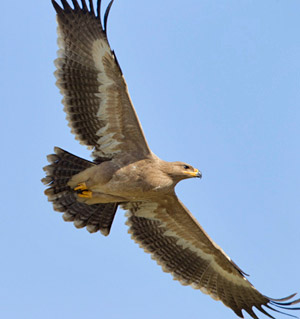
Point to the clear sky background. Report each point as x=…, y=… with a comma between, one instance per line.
x=215, y=84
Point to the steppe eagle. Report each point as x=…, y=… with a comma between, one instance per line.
x=126, y=173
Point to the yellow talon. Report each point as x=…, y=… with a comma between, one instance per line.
x=86, y=194
x=82, y=191
x=80, y=186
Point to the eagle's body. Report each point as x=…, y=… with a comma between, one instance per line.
x=125, y=173
x=141, y=180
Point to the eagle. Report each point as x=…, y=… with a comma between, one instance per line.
x=125, y=172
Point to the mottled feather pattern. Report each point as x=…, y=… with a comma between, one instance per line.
x=95, y=94
x=150, y=228
x=76, y=75
x=63, y=166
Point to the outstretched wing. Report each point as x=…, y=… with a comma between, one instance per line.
x=96, y=99
x=168, y=231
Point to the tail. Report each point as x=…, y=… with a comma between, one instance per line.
x=63, y=166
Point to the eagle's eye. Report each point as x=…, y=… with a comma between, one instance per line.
x=186, y=167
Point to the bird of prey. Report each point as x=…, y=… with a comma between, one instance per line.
x=126, y=173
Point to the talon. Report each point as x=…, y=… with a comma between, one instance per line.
x=86, y=194
x=82, y=191
x=80, y=187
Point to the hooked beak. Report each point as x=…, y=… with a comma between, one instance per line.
x=195, y=173
x=198, y=173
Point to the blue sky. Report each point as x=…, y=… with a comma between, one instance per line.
x=215, y=84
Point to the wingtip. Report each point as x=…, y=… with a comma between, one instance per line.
x=56, y=6
x=99, y=9
x=92, y=10
x=284, y=303
x=76, y=5
x=66, y=5
x=84, y=6
x=66, y=8
x=106, y=15
x=284, y=298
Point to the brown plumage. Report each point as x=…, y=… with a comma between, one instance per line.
x=126, y=173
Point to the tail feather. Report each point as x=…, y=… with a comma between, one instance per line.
x=63, y=166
